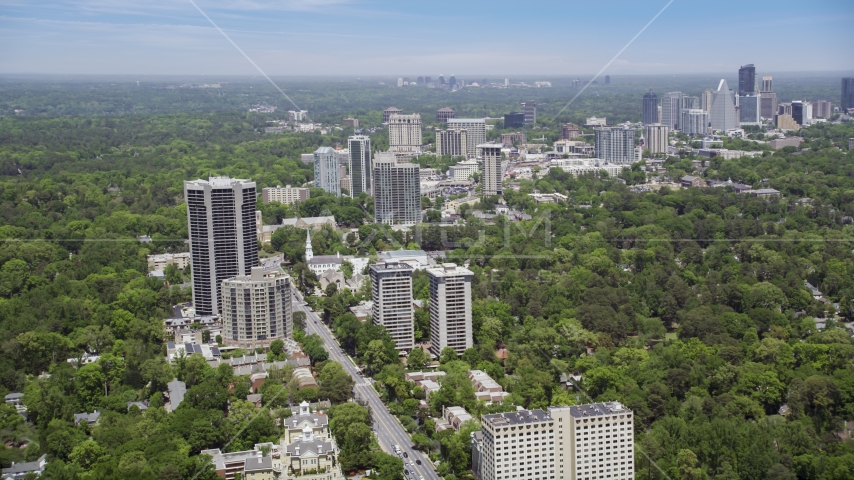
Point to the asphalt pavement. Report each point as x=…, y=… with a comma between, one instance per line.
x=386, y=427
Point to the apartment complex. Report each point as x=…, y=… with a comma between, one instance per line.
x=359, y=147
x=452, y=142
x=444, y=114
x=656, y=137
x=615, y=145
x=388, y=112
x=463, y=170
x=475, y=132
x=287, y=194
x=161, y=261
x=223, y=236
x=492, y=174
x=397, y=191
x=256, y=308
x=450, y=308
x=585, y=442
x=327, y=174
x=391, y=292
x=404, y=133
x=695, y=121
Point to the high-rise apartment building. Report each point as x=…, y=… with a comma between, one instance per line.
x=650, y=108
x=689, y=101
x=656, y=138
x=571, y=131
x=722, y=115
x=821, y=109
x=444, y=114
x=475, y=132
x=492, y=172
x=388, y=112
x=288, y=195
x=452, y=142
x=404, y=133
x=615, y=145
x=747, y=80
x=749, y=110
x=223, y=235
x=327, y=174
x=671, y=108
x=706, y=100
x=397, y=191
x=256, y=308
x=530, y=111
x=583, y=442
x=694, y=121
x=767, y=104
x=391, y=292
x=767, y=84
x=847, y=93
x=359, y=147
x=450, y=308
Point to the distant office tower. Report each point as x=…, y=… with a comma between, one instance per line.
x=420, y=80
x=747, y=80
x=801, y=112
x=656, y=137
x=391, y=292
x=256, y=308
x=822, y=109
x=288, y=195
x=359, y=147
x=607, y=79
x=450, y=308
x=444, y=114
x=475, y=132
x=694, y=121
x=492, y=173
x=223, y=236
x=441, y=79
x=706, y=103
x=690, y=102
x=388, y=112
x=671, y=107
x=351, y=122
x=576, y=83
x=514, y=120
x=297, y=115
x=530, y=111
x=749, y=110
x=722, y=115
x=451, y=142
x=428, y=80
x=397, y=191
x=509, y=139
x=615, y=145
x=400, y=82
x=452, y=81
x=650, y=108
x=767, y=84
x=404, y=133
x=569, y=132
x=847, y=93
x=485, y=82
x=506, y=82
x=327, y=175
x=767, y=104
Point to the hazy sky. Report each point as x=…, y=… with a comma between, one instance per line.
x=379, y=37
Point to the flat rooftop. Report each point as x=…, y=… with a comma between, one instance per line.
x=521, y=417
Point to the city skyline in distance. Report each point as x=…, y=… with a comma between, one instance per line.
x=353, y=37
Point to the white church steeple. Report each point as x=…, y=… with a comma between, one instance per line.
x=309, y=254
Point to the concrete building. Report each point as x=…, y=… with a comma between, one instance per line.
x=388, y=112
x=529, y=109
x=492, y=172
x=450, y=308
x=671, y=107
x=256, y=308
x=452, y=142
x=360, y=168
x=786, y=122
x=801, y=112
x=587, y=166
x=570, y=131
x=694, y=121
x=749, y=110
x=747, y=80
x=397, y=191
x=288, y=195
x=767, y=84
x=351, y=122
x=706, y=100
x=297, y=115
x=223, y=235
x=847, y=100
x=650, y=108
x=508, y=139
x=656, y=137
x=444, y=114
x=160, y=262
x=822, y=109
x=463, y=170
x=722, y=114
x=404, y=133
x=615, y=145
x=475, y=132
x=767, y=104
x=514, y=120
x=327, y=174
x=391, y=292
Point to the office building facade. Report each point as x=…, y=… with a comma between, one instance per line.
x=767, y=84
x=656, y=138
x=822, y=109
x=514, y=120
x=444, y=114
x=650, y=108
x=529, y=109
x=492, y=172
x=223, y=235
x=404, y=133
x=722, y=115
x=475, y=132
x=391, y=292
x=706, y=100
x=360, y=169
x=288, y=195
x=452, y=142
x=571, y=131
x=747, y=80
x=749, y=110
x=767, y=104
x=847, y=93
x=671, y=108
x=388, y=112
x=802, y=112
x=256, y=308
x=450, y=308
x=397, y=191
x=694, y=121
x=615, y=145
x=327, y=174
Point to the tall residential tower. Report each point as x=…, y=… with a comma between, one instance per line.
x=391, y=292
x=359, y=147
x=397, y=191
x=450, y=308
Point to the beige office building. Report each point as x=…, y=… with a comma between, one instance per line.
x=492, y=172
x=287, y=195
x=256, y=308
x=404, y=133
x=452, y=142
x=656, y=137
x=475, y=132
x=450, y=308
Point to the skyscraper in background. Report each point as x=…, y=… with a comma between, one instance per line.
x=650, y=108
x=441, y=79
x=767, y=98
x=747, y=79
x=671, y=107
x=822, y=109
x=767, y=84
x=723, y=108
x=749, y=110
x=404, y=133
x=326, y=171
x=706, y=100
x=655, y=138
x=847, y=93
x=607, y=79
x=223, y=236
x=359, y=147
x=397, y=191
x=530, y=111
x=475, y=132
x=694, y=121
x=452, y=81
x=802, y=112
x=492, y=172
